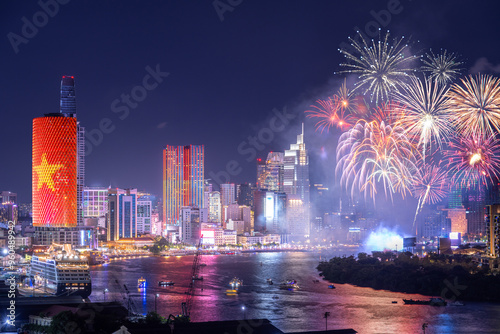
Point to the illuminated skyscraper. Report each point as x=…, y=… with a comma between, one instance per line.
x=228, y=193
x=183, y=180
x=270, y=173
x=296, y=185
x=54, y=163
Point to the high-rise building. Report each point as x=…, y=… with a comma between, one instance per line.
x=296, y=182
x=144, y=210
x=190, y=227
x=214, y=207
x=183, y=180
x=492, y=222
x=122, y=214
x=95, y=202
x=206, y=193
x=245, y=196
x=270, y=173
x=54, y=177
x=228, y=193
x=8, y=197
x=270, y=212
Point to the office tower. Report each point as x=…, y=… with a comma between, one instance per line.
x=190, y=227
x=270, y=173
x=68, y=109
x=231, y=211
x=228, y=193
x=8, y=197
x=245, y=197
x=492, y=222
x=214, y=207
x=206, y=193
x=474, y=203
x=144, y=211
x=54, y=161
x=296, y=182
x=122, y=214
x=270, y=211
x=458, y=220
x=95, y=202
x=183, y=180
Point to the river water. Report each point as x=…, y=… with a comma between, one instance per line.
x=363, y=309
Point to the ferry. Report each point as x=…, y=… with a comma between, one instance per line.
x=289, y=285
x=141, y=283
x=166, y=283
x=60, y=271
x=236, y=283
x=231, y=292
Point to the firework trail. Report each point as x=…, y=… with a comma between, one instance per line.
x=380, y=65
x=375, y=153
x=475, y=105
x=430, y=187
x=442, y=67
x=473, y=160
x=426, y=111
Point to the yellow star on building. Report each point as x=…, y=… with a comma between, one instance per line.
x=45, y=172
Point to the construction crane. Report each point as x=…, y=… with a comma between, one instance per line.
x=186, y=305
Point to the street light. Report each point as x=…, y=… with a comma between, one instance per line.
x=156, y=297
x=243, y=309
x=327, y=314
x=104, y=292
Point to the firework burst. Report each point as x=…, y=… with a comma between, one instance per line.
x=374, y=154
x=380, y=65
x=426, y=116
x=442, y=67
x=335, y=111
x=476, y=106
x=474, y=160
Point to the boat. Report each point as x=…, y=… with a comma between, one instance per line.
x=394, y=302
x=289, y=285
x=197, y=278
x=315, y=280
x=331, y=286
x=236, y=283
x=59, y=272
x=270, y=281
x=432, y=302
x=276, y=297
x=231, y=292
x=141, y=283
x=166, y=283
x=203, y=264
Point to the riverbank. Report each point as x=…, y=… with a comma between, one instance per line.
x=448, y=277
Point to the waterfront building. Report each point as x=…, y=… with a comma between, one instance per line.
x=144, y=218
x=121, y=219
x=245, y=195
x=183, y=180
x=8, y=197
x=95, y=205
x=296, y=183
x=190, y=227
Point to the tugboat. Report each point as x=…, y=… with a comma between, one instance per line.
x=289, y=285
x=141, y=283
x=236, y=283
x=166, y=283
x=432, y=302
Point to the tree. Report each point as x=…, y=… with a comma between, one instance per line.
x=153, y=318
x=66, y=322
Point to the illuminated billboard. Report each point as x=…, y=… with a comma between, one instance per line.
x=54, y=171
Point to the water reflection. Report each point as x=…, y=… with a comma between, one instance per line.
x=363, y=309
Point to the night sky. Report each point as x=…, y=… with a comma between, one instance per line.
x=225, y=76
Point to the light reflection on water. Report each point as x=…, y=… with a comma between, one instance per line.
x=363, y=309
